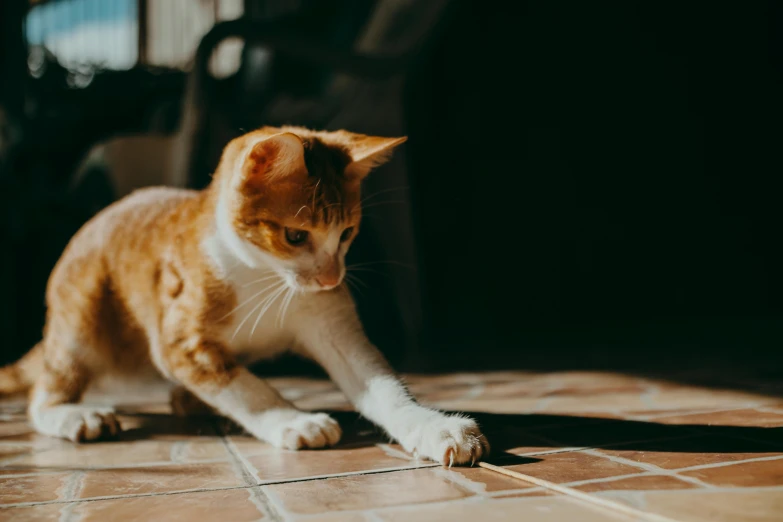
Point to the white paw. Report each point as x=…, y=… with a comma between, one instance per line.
x=448, y=439
x=77, y=423
x=299, y=430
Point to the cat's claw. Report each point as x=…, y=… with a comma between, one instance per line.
x=449, y=440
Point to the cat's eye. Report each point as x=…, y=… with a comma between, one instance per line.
x=295, y=236
x=346, y=235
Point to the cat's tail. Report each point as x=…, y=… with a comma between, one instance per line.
x=20, y=376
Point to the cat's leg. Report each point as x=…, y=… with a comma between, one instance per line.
x=184, y=404
x=54, y=408
x=332, y=335
x=206, y=369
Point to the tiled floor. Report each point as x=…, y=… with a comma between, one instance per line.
x=686, y=452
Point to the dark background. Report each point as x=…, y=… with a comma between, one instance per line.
x=586, y=184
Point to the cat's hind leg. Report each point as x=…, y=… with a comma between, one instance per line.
x=54, y=408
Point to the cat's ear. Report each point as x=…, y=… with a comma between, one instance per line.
x=274, y=158
x=369, y=152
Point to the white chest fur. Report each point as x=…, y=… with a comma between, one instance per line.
x=262, y=322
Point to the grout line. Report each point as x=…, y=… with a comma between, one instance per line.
x=685, y=413
x=549, y=452
x=724, y=464
x=506, y=492
x=66, y=513
x=273, y=503
x=475, y=499
x=248, y=473
x=716, y=490
x=119, y=497
x=226, y=488
x=72, y=487
x=264, y=504
x=71, y=491
x=348, y=474
x=463, y=482
x=648, y=467
x=158, y=464
x=585, y=482
x=601, y=480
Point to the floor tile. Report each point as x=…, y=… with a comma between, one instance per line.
x=11, y=451
x=743, y=417
x=44, y=513
x=717, y=506
x=272, y=464
x=696, y=451
x=608, y=402
x=535, y=509
x=210, y=506
x=37, y=488
x=117, y=454
x=14, y=430
x=685, y=397
x=360, y=492
x=160, y=479
x=167, y=468
x=340, y=517
x=572, y=466
x=743, y=474
x=531, y=492
x=638, y=483
x=487, y=481
x=518, y=405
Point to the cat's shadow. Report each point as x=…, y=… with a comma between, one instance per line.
x=523, y=433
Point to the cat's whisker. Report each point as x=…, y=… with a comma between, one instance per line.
x=379, y=203
x=266, y=307
x=256, y=307
x=391, y=262
x=370, y=270
x=315, y=191
x=250, y=313
x=385, y=191
x=267, y=278
x=282, y=304
x=356, y=279
x=251, y=298
x=284, y=308
x=352, y=284
x=300, y=209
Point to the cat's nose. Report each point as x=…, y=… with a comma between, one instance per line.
x=328, y=279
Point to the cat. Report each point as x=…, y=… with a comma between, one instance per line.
x=190, y=282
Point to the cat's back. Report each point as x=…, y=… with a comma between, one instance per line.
x=122, y=226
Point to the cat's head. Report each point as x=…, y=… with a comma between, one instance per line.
x=291, y=200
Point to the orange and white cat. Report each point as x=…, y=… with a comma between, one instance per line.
x=192, y=281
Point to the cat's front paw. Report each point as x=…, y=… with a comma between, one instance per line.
x=305, y=431
x=448, y=439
